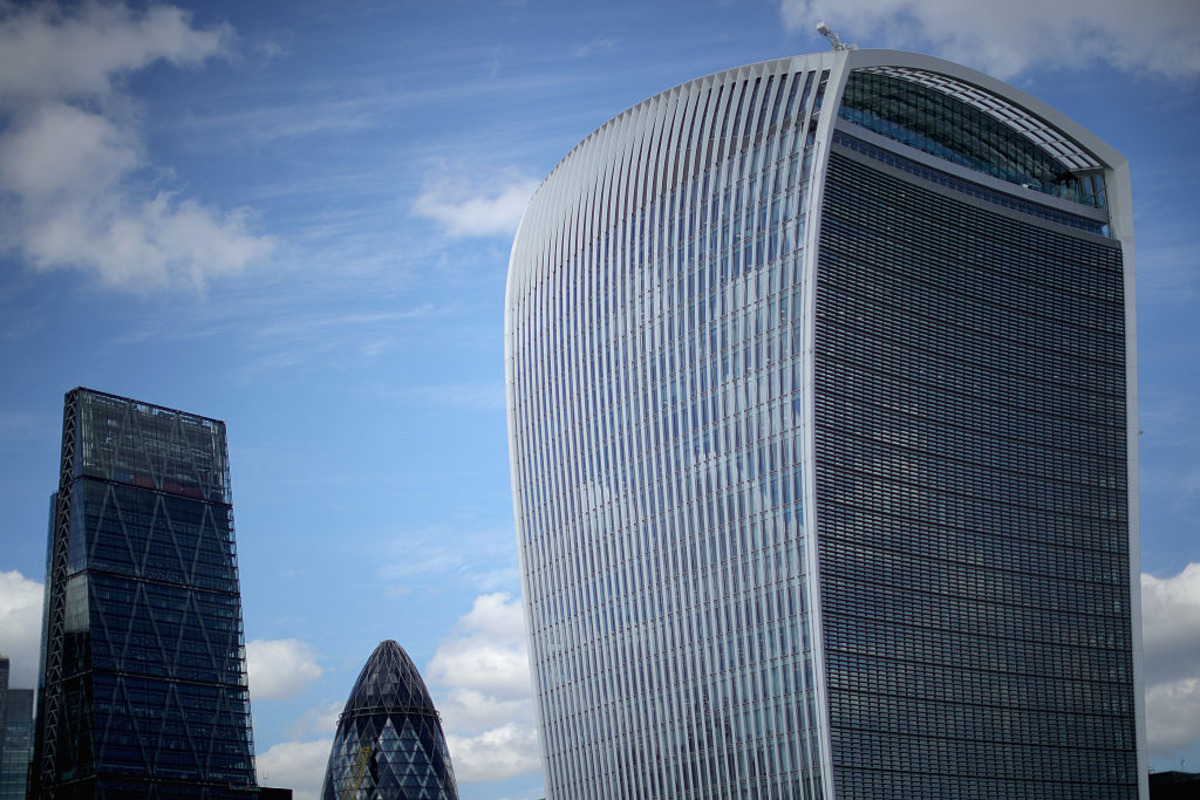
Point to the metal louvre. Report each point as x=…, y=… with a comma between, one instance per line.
x=973, y=524
x=653, y=335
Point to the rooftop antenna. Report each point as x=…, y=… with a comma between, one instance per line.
x=835, y=40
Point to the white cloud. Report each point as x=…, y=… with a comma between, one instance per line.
x=1171, y=643
x=491, y=207
x=486, y=697
x=1172, y=717
x=428, y=558
x=47, y=51
x=436, y=560
x=480, y=675
x=494, y=755
x=488, y=655
x=320, y=720
x=75, y=188
x=1171, y=625
x=470, y=710
x=299, y=766
x=20, y=627
x=1159, y=36
x=280, y=669
x=55, y=147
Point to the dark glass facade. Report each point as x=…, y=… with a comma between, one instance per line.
x=821, y=419
x=144, y=691
x=16, y=736
x=389, y=743
x=937, y=123
x=972, y=493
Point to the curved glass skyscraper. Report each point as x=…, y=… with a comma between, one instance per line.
x=389, y=743
x=821, y=406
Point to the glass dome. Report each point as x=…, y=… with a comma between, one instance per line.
x=389, y=743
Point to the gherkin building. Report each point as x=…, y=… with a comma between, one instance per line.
x=389, y=743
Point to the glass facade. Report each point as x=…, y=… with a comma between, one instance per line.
x=821, y=444
x=972, y=481
x=16, y=736
x=144, y=690
x=656, y=410
x=942, y=125
x=389, y=743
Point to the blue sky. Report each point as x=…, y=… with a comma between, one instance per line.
x=296, y=217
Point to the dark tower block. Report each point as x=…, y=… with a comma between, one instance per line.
x=144, y=691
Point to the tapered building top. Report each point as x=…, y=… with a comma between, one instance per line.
x=144, y=689
x=389, y=682
x=389, y=743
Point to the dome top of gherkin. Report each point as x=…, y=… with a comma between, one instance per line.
x=389, y=682
x=389, y=743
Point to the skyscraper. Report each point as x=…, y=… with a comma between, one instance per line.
x=389, y=742
x=143, y=692
x=16, y=736
x=821, y=404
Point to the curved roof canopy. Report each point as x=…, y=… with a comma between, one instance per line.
x=389, y=682
x=1069, y=152
x=974, y=128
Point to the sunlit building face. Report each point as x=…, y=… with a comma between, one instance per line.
x=821, y=395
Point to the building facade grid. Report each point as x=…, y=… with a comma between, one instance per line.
x=389, y=741
x=144, y=689
x=16, y=736
x=702, y=236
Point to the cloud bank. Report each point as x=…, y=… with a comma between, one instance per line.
x=421, y=559
x=20, y=627
x=77, y=188
x=475, y=207
x=479, y=676
x=495, y=754
x=1171, y=642
x=1159, y=37
x=299, y=766
x=487, y=701
x=280, y=669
